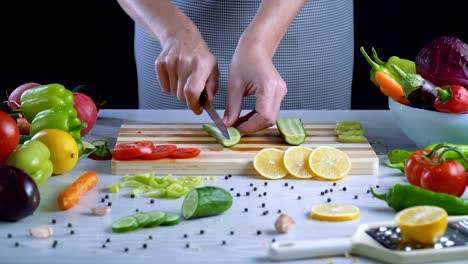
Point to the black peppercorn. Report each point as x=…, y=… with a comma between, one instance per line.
x=259, y=232
x=69, y=225
x=264, y=193
x=9, y=235
x=16, y=244
x=103, y=245
x=126, y=249
x=279, y=211
x=152, y=201
x=132, y=195
x=145, y=246
x=251, y=184
x=136, y=210
x=265, y=212
x=344, y=189
x=107, y=196
x=322, y=193
x=150, y=237
x=232, y=233
x=292, y=187
x=224, y=242
x=202, y=232
x=334, y=184
x=326, y=191
x=229, y=175
x=355, y=196
x=259, y=195
x=299, y=197
x=247, y=193
x=109, y=204
x=273, y=240
x=285, y=184
x=103, y=200
x=331, y=190
x=232, y=189
x=265, y=183
x=255, y=189
x=246, y=210
x=328, y=199
x=54, y=221
x=108, y=240
x=72, y=232
x=226, y=177
x=377, y=186
x=263, y=204
x=185, y=235
x=238, y=194
x=187, y=245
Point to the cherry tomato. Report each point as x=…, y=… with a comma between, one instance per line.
x=414, y=168
x=9, y=135
x=160, y=151
x=448, y=177
x=125, y=151
x=185, y=153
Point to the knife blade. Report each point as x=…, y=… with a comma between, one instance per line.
x=205, y=103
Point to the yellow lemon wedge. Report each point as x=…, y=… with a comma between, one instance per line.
x=329, y=163
x=268, y=162
x=335, y=212
x=296, y=162
x=424, y=224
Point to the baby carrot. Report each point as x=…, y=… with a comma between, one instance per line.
x=72, y=194
x=390, y=87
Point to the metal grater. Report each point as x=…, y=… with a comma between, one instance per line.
x=389, y=237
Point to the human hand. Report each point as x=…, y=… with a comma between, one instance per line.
x=252, y=72
x=185, y=67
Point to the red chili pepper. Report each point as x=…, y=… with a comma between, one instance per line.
x=452, y=99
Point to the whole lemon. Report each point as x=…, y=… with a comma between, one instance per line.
x=63, y=149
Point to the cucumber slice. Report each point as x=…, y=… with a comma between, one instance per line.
x=171, y=219
x=125, y=224
x=88, y=147
x=156, y=218
x=351, y=139
x=348, y=125
x=234, y=134
x=206, y=201
x=142, y=218
x=357, y=132
x=292, y=130
x=99, y=143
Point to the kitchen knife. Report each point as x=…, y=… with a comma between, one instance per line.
x=205, y=103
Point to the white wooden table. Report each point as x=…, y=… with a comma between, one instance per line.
x=168, y=244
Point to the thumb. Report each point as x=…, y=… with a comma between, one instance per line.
x=235, y=95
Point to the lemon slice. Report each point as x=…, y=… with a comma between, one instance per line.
x=424, y=224
x=329, y=163
x=269, y=163
x=335, y=212
x=296, y=162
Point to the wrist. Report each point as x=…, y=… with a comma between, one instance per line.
x=257, y=43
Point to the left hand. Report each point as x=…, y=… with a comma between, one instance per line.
x=252, y=73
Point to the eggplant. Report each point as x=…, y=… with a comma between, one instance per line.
x=19, y=194
x=419, y=92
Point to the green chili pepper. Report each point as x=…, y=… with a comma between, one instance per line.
x=375, y=67
x=404, y=196
x=34, y=158
x=44, y=97
x=407, y=66
x=399, y=155
x=59, y=117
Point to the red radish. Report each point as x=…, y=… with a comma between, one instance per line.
x=87, y=111
x=15, y=96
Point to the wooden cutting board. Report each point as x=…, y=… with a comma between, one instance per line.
x=218, y=160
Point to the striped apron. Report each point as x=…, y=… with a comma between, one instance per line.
x=315, y=57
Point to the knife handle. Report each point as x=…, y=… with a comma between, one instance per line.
x=309, y=249
x=203, y=98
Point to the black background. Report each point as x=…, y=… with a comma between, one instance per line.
x=91, y=42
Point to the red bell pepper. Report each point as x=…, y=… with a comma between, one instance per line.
x=452, y=99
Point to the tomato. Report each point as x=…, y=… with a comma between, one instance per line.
x=185, y=153
x=160, y=151
x=9, y=135
x=448, y=177
x=125, y=151
x=414, y=168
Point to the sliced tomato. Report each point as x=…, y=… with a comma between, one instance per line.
x=125, y=151
x=160, y=151
x=185, y=153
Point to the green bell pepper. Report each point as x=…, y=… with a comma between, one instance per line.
x=44, y=97
x=34, y=158
x=59, y=117
x=405, y=65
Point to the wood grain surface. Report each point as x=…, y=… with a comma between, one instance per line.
x=218, y=160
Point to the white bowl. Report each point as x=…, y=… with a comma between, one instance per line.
x=426, y=127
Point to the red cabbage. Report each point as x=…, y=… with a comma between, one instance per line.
x=444, y=61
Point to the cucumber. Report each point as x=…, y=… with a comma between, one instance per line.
x=348, y=125
x=292, y=130
x=357, y=132
x=88, y=147
x=125, y=224
x=351, y=139
x=234, y=134
x=142, y=218
x=171, y=219
x=156, y=218
x=206, y=201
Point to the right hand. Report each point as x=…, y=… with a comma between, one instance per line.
x=185, y=67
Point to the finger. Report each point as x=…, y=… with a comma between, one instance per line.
x=195, y=84
x=163, y=77
x=267, y=108
x=172, y=73
x=182, y=74
x=235, y=94
x=212, y=85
